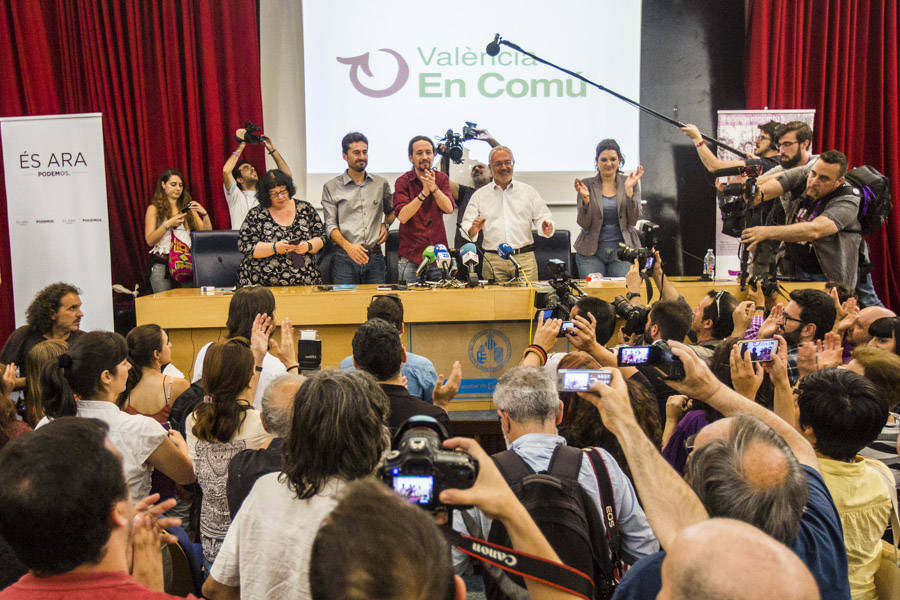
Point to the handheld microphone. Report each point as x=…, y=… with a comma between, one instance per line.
x=427, y=259
x=468, y=254
x=505, y=251
x=493, y=48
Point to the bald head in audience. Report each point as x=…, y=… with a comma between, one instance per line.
x=724, y=558
x=858, y=333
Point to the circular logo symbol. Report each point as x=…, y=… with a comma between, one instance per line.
x=490, y=350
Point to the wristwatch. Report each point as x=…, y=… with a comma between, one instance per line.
x=631, y=295
x=308, y=246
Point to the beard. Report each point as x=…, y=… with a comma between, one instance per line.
x=791, y=337
x=790, y=163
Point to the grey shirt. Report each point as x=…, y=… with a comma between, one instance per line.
x=838, y=254
x=356, y=210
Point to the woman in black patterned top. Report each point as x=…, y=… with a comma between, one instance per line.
x=280, y=236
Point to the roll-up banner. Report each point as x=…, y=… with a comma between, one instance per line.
x=58, y=218
x=738, y=129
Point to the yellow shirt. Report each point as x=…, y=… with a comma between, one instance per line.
x=862, y=501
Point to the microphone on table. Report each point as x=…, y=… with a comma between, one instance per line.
x=468, y=254
x=493, y=48
x=442, y=258
x=506, y=252
x=427, y=259
x=454, y=267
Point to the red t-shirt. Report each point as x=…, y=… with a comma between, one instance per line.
x=81, y=586
x=426, y=227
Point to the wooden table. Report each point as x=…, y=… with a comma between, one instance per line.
x=486, y=328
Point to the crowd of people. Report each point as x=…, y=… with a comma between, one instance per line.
x=745, y=478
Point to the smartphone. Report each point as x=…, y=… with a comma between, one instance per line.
x=185, y=210
x=630, y=356
x=651, y=260
x=760, y=350
x=580, y=380
x=418, y=489
x=566, y=327
x=294, y=242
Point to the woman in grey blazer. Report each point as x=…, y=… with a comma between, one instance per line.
x=609, y=205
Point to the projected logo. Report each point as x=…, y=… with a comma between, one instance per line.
x=362, y=62
x=490, y=350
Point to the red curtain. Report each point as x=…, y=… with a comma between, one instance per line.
x=839, y=57
x=173, y=79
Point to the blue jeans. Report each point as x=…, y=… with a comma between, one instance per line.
x=344, y=270
x=406, y=271
x=604, y=261
x=865, y=292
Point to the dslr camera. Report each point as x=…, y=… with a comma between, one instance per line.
x=649, y=231
x=658, y=355
x=252, y=135
x=419, y=469
x=635, y=316
x=453, y=142
x=563, y=294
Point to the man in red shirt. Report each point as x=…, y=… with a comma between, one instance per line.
x=66, y=513
x=421, y=198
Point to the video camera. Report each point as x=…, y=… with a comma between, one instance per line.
x=419, y=468
x=658, y=355
x=251, y=136
x=635, y=316
x=733, y=203
x=453, y=141
x=560, y=298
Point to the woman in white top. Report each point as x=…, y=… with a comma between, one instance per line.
x=95, y=369
x=246, y=304
x=171, y=212
x=224, y=424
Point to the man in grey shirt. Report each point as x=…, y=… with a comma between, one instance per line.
x=823, y=234
x=353, y=203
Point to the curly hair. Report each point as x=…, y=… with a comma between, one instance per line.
x=161, y=200
x=271, y=180
x=39, y=314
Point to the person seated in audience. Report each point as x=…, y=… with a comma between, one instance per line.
x=86, y=381
x=415, y=564
x=377, y=351
x=280, y=238
x=751, y=466
x=71, y=521
x=338, y=434
x=884, y=333
x=530, y=412
x=10, y=426
x=854, y=327
x=807, y=318
x=39, y=355
x=839, y=412
x=421, y=376
x=581, y=425
x=172, y=214
x=148, y=391
x=881, y=368
x=280, y=358
x=223, y=424
x=249, y=465
x=712, y=322
x=240, y=179
x=725, y=558
x=54, y=314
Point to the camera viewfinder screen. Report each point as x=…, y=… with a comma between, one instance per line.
x=635, y=355
x=761, y=350
x=415, y=488
x=581, y=380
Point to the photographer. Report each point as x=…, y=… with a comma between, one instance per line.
x=766, y=150
x=823, y=234
x=240, y=178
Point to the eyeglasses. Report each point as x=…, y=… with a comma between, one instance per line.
x=503, y=163
x=279, y=193
x=786, y=144
x=786, y=317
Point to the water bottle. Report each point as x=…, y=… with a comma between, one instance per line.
x=709, y=266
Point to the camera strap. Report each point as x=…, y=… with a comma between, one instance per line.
x=551, y=573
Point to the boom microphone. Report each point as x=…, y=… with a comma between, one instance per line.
x=743, y=170
x=493, y=48
x=427, y=259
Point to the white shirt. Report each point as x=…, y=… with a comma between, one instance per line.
x=266, y=551
x=239, y=203
x=272, y=368
x=136, y=437
x=509, y=215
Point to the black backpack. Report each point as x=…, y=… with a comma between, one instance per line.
x=874, y=191
x=566, y=515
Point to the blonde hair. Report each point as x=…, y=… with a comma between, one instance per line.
x=883, y=369
x=39, y=355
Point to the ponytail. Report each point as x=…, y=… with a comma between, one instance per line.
x=142, y=342
x=227, y=371
x=59, y=401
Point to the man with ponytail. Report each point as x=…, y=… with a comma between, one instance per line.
x=86, y=381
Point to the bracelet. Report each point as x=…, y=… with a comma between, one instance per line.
x=420, y=197
x=236, y=153
x=700, y=143
x=272, y=153
x=760, y=308
x=537, y=350
x=274, y=248
x=294, y=367
x=258, y=368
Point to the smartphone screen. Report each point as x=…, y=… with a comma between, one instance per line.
x=634, y=355
x=565, y=328
x=651, y=260
x=581, y=380
x=417, y=489
x=546, y=313
x=759, y=350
